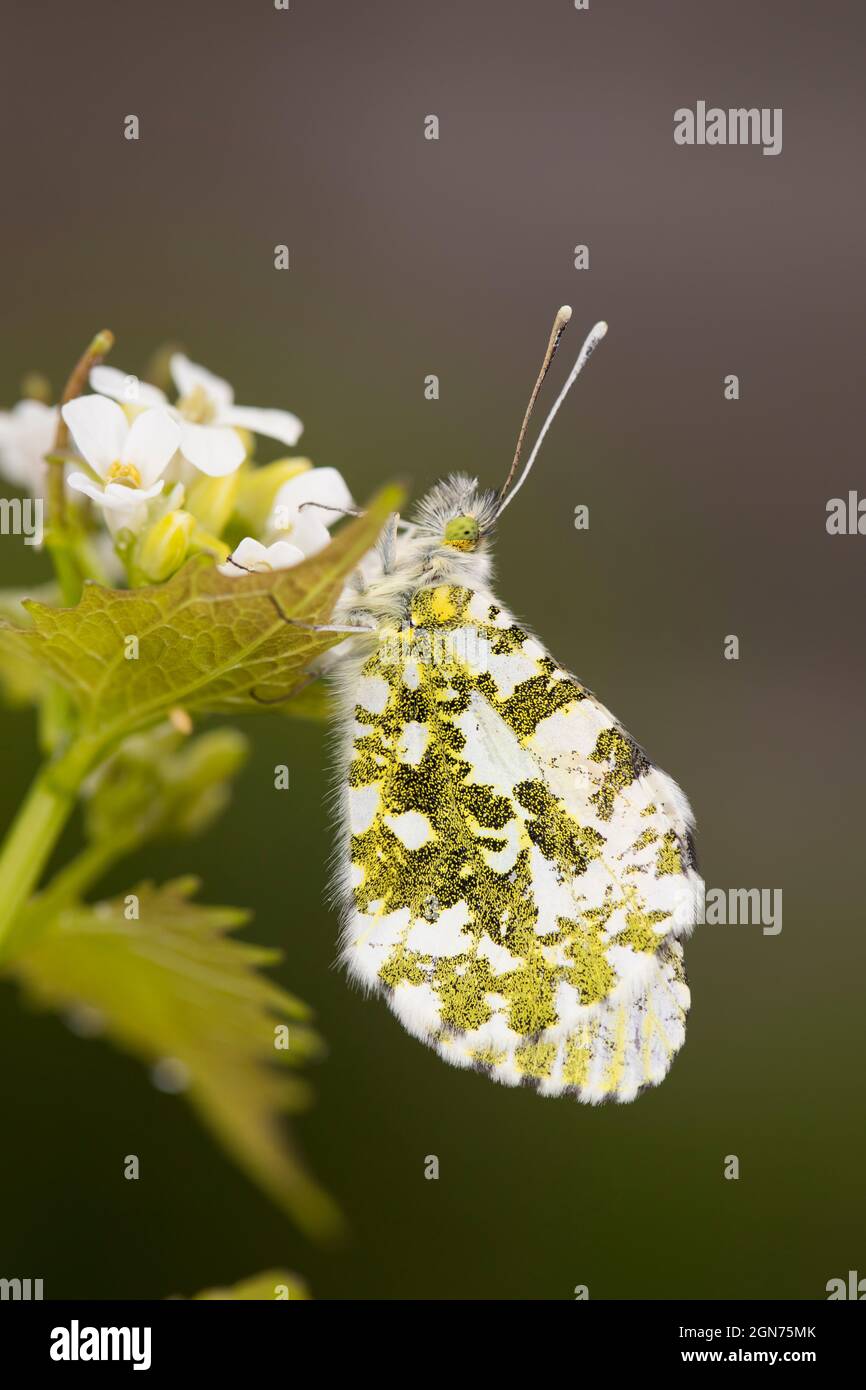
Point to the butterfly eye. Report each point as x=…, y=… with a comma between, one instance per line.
x=462, y=533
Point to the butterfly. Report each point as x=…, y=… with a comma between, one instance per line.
x=515, y=876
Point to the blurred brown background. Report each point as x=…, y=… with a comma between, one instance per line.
x=707, y=518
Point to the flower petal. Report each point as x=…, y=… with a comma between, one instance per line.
x=151, y=444
x=124, y=507
x=324, y=486
x=79, y=482
x=282, y=556
x=188, y=375
x=252, y=555
x=114, y=496
x=214, y=450
x=117, y=496
x=303, y=529
x=120, y=386
x=273, y=424
x=99, y=428
x=249, y=553
x=26, y=435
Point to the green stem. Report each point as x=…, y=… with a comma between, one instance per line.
x=91, y=566
x=37, y=828
x=75, y=878
x=67, y=886
x=65, y=566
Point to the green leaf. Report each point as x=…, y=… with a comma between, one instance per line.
x=174, y=989
x=24, y=677
x=206, y=641
x=271, y=1285
x=12, y=601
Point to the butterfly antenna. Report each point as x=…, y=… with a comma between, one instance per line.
x=592, y=341
x=560, y=323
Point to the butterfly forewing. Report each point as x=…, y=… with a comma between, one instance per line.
x=520, y=872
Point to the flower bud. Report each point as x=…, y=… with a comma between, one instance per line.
x=163, y=548
x=259, y=487
x=212, y=500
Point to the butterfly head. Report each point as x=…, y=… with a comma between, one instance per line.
x=457, y=514
x=462, y=533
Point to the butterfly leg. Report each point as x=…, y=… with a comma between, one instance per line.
x=348, y=628
x=388, y=544
x=359, y=629
x=407, y=527
x=325, y=507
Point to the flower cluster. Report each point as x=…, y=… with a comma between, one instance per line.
x=166, y=479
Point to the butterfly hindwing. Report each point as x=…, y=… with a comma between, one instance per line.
x=520, y=872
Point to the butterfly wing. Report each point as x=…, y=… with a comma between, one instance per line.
x=521, y=874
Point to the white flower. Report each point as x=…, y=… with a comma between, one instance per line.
x=127, y=389
x=307, y=505
x=128, y=459
x=253, y=557
x=26, y=435
x=205, y=411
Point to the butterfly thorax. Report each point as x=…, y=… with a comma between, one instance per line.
x=446, y=544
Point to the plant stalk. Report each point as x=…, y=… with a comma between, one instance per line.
x=37, y=828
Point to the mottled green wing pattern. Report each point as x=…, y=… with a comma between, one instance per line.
x=520, y=873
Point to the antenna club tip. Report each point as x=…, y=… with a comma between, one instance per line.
x=600, y=329
x=564, y=313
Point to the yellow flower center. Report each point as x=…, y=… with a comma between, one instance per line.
x=125, y=473
x=197, y=407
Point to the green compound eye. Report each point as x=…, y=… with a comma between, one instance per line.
x=462, y=533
